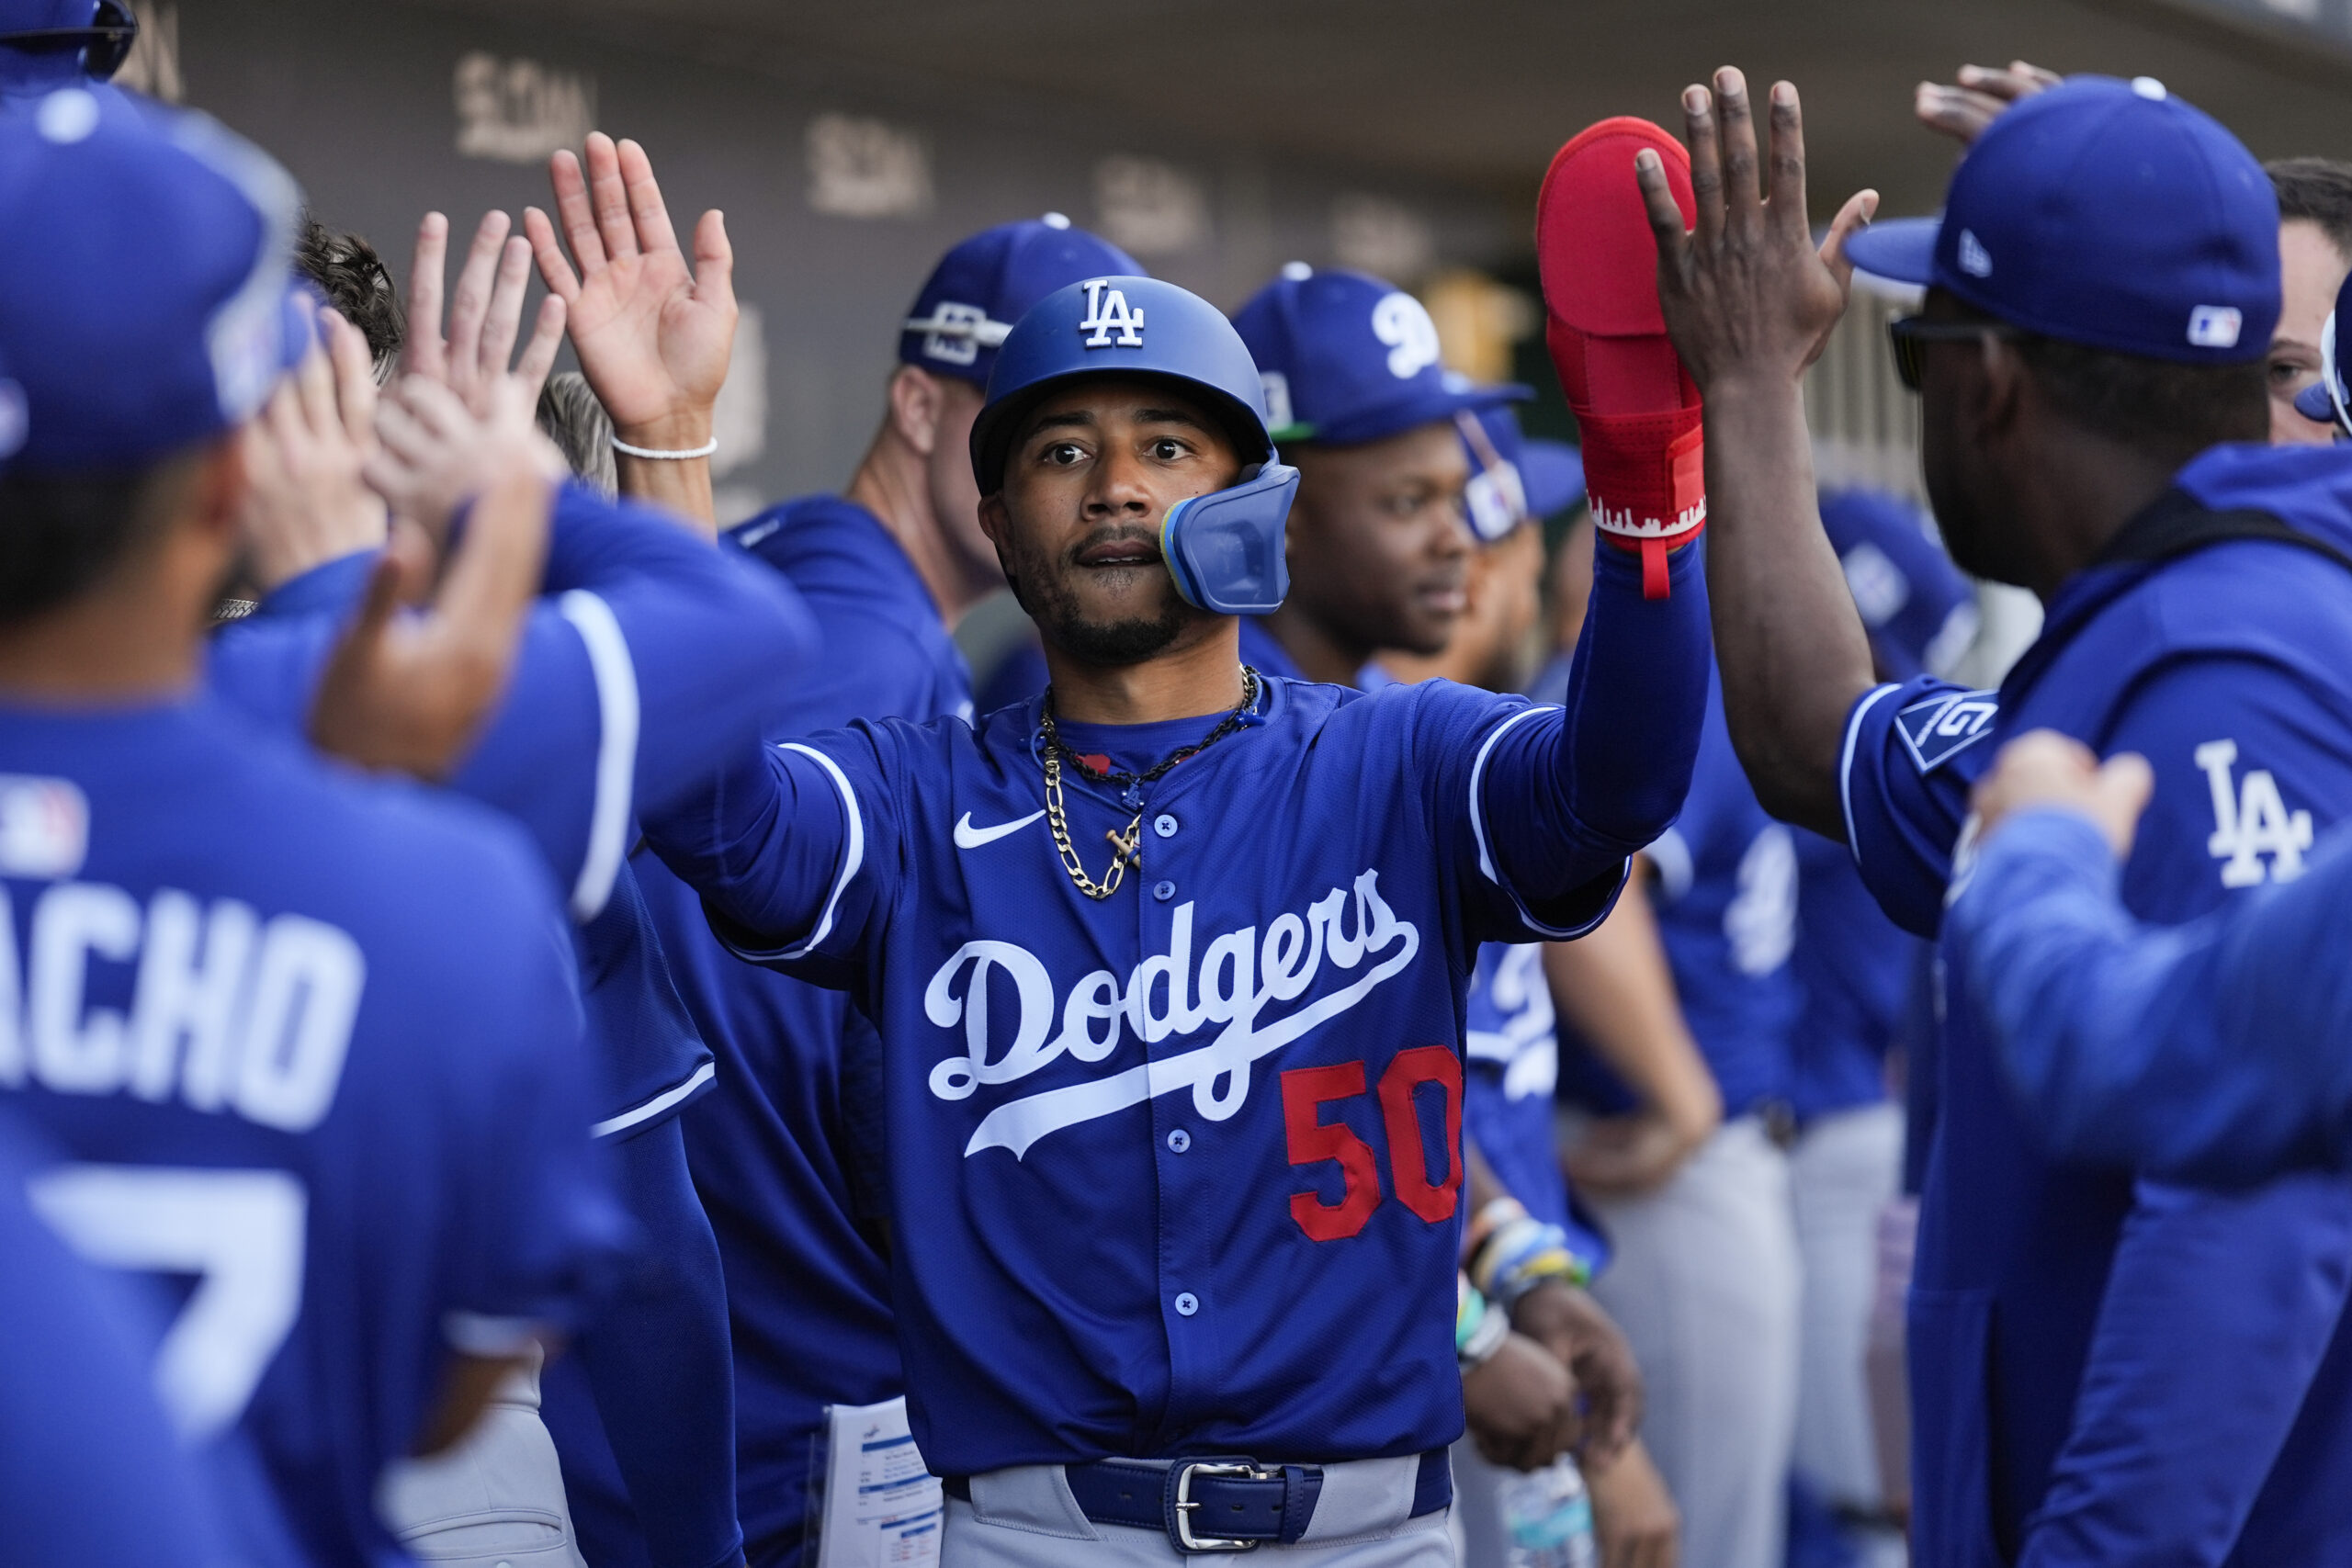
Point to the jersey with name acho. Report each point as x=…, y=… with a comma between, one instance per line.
x=312, y=1042
x=2094, y=1333
x=1176, y=1170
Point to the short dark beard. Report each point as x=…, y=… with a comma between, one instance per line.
x=1060, y=622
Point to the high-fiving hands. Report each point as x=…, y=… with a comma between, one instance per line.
x=469, y=354
x=1746, y=294
x=653, y=333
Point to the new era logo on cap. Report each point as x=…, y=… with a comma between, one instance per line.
x=2215, y=326
x=955, y=334
x=1974, y=260
x=1106, y=312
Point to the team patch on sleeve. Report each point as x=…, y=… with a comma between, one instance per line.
x=1940, y=728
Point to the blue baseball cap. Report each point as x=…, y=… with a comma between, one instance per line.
x=1919, y=611
x=989, y=282
x=147, y=300
x=1348, y=358
x=2105, y=213
x=2329, y=399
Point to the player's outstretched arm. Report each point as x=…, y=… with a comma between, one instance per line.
x=1749, y=302
x=2212, y=1052
x=1566, y=798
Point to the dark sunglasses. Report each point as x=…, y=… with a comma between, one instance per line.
x=107, y=40
x=1909, y=334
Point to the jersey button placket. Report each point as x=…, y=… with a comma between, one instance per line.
x=1187, y=1203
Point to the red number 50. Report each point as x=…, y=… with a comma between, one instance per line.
x=1314, y=1141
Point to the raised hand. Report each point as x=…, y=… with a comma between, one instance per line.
x=306, y=502
x=1977, y=96
x=1746, y=294
x=410, y=693
x=437, y=452
x=470, y=356
x=654, y=335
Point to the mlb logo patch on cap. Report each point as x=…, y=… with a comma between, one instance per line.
x=2215, y=326
x=44, y=827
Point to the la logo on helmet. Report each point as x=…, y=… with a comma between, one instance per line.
x=1106, y=310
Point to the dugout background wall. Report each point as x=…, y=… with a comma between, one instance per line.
x=850, y=140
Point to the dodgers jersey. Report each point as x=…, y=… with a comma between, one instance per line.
x=312, y=1040
x=78, y=1418
x=775, y=1151
x=2101, y=1363
x=1112, y=1234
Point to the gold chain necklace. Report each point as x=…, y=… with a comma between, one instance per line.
x=1127, y=849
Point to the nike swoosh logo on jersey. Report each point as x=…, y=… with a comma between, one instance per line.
x=970, y=837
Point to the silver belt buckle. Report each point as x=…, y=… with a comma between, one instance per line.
x=1187, y=1507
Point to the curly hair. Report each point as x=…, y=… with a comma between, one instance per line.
x=346, y=269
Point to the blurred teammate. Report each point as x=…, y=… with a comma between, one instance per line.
x=783, y=1152
x=614, y=696
x=2091, y=1375
x=245, y=988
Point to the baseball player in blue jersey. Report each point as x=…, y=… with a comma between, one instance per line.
x=1142, y=1305
x=239, y=988
x=611, y=681
x=886, y=569
x=2091, y=1380
x=1380, y=547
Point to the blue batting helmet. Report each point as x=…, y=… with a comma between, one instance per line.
x=1224, y=550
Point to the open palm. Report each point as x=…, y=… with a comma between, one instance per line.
x=654, y=335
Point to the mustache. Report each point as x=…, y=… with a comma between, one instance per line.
x=1114, y=534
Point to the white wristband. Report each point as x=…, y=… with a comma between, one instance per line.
x=704, y=450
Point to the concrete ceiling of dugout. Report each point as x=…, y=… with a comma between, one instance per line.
x=1481, y=91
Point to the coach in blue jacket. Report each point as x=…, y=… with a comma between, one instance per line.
x=2105, y=1368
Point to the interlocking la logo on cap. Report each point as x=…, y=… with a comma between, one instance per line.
x=1106, y=308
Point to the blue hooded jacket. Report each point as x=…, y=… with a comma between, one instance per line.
x=2105, y=1368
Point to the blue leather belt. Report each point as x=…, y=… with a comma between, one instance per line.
x=1218, y=1504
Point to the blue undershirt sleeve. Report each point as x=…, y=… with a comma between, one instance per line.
x=1566, y=797
x=658, y=1363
